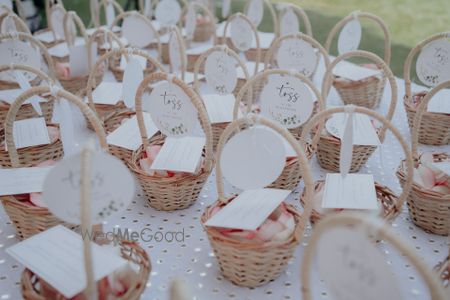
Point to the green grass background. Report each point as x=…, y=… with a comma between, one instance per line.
x=409, y=21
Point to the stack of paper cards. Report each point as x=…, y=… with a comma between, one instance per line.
x=248, y=210
x=56, y=256
x=22, y=180
x=353, y=72
x=62, y=50
x=30, y=132
x=444, y=166
x=180, y=154
x=354, y=191
x=220, y=107
x=107, y=93
x=128, y=135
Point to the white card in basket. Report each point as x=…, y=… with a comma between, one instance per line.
x=112, y=188
x=241, y=34
x=353, y=268
x=220, y=107
x=433, y=63
x=46, y=37
x=440, y=102
x=354, y=191
x=255, y=11
x=286, y=100
x=142, y=61
x=220, y=72
x=22, y=180
x=132, y=77
x=248, y=210
x=137, y=31
x=18, y=52
x=171, y=109
x=168, y=12
x=289, y=22
x=354, y=72
x=108, y=93
x=180, y=154
x=363, y=131
x=78, y=59
x=298, y=55
x=62, y=49
x=56, y=256
x=30, y=132
x=444, y=166
x=253, y=158
x=128, y=135
x=350, y=36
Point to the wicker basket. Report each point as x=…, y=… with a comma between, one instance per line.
x=270, y=58
x=250, y=263
x=112, y=115
x=31, y=284
x=29, y=220
x=367, y=92
x=391, y=204
x=434, y=127
x=328, y=148
x=176, y=192
x=218, y=128
x=369, y=226
x=429, y=210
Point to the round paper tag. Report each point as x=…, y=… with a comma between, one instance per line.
x=433, y=63
x=255, y=11
x=241, y=34
x=226, y=5
x=289, y=22
x=174, y=53
x=132, y=78
x=349, y=37
x=191, y=22
x=137, y=32
x=112, y=188
x=168, y=12
x=8, y=25
x=171, y=109
x=18, y=52
x=253, y=158
x=57, y=21
x=298, y=55
x=287, y=100
x=353, y=268
x=220, y=72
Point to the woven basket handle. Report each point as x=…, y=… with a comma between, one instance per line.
x=197, y=6
x=196, y=101
x=414, y=51
x=124, y=15
x=383, y=231
x=18, y=67
x=300, y=12
x=182, y=50
x=270, y=56
x=255, y=32
x=262, y=76
x=121, y=51
x=71, y=18
x=219, y=48
x=272, y=12
x=15, y=106
x=302, y=159
x=32, y=40
x=323, y=115
x=419, y=114
x=328, y=79
x=18, y=22
x=369, y=16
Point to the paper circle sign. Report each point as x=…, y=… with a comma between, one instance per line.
x=352, y=268
x=137, y=31
x=286, y=100
x=433, y=63
x=289, y=22
x=171, y=109
x=112, y=188
x=168, y=12
x=241, y=34
x=298, y=55
x=349, y=37
x=220, y=72
x=255, y=11
x=18, y=52
x=253, y=158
